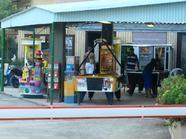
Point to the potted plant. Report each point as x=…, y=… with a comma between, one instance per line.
x=173, y=91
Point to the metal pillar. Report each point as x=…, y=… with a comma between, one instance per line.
x=52, y=62
x=59, y=57
x=2, y=58
x=59, y=37
x=33, y=48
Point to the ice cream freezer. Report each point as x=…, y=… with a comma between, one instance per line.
x=107, y=84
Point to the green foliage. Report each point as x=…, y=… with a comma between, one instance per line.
x=173, y=91
x=10, y=49
x=7, y=8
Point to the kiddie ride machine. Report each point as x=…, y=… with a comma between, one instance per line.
x=106, y=80
x=31, y=84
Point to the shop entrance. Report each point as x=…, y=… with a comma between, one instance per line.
x=181, y=50
x=91, y=36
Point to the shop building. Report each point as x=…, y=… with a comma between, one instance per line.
x=135, y=33
x=130, y=19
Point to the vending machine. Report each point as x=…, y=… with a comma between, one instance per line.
x=56, y=77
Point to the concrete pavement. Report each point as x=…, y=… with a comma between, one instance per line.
x=98, y=99
x=85, y=129
x=81, y=129
x=7, y=100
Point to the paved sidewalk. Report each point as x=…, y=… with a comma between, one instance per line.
x=6, y=100
x=98, y=99
x=85, y=129
x=81, y=129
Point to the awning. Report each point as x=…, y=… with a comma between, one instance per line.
x=159, y=11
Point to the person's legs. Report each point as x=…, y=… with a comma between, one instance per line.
x=90, y=95
x=148, y=92
x=140, y=87
x=132, y=84
x=132, y=88
x=154, y=90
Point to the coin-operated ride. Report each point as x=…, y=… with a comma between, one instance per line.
x=31, y=83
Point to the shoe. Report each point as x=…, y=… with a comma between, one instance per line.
x=154, y=96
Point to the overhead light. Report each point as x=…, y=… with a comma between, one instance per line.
x=150, y=24
x=105, y=22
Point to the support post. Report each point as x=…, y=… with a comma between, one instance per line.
x=52, y=62
x=33, y=48
x=2, y=58
x=107, y=32
x=59, y=39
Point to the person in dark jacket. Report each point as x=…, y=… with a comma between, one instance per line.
x=132, y=64
x=147, y=75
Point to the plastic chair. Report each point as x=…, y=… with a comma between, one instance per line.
x=176, y=71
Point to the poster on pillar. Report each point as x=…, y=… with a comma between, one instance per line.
x=107, y=62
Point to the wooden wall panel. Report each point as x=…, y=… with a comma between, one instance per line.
x=80, y=44
x=126, y=37
x=172, y=39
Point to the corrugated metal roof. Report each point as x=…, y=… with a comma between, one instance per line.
x=101, y=4
x=133, y=27
x=159, y=11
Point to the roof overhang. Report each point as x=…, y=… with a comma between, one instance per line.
x=160, y=11
x=134, y=27
x=32, y=16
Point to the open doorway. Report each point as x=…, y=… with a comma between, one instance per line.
x=181, y=50
x=91, y=36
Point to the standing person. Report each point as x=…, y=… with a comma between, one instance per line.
x=132, y=65
x=132, y=60
x=90, y=66
x=147, y=75
x=90, y=60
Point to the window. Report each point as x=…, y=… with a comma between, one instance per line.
x=69, y=43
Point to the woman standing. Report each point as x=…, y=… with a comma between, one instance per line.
x=147, y=75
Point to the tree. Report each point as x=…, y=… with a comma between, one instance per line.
x=7, y=8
